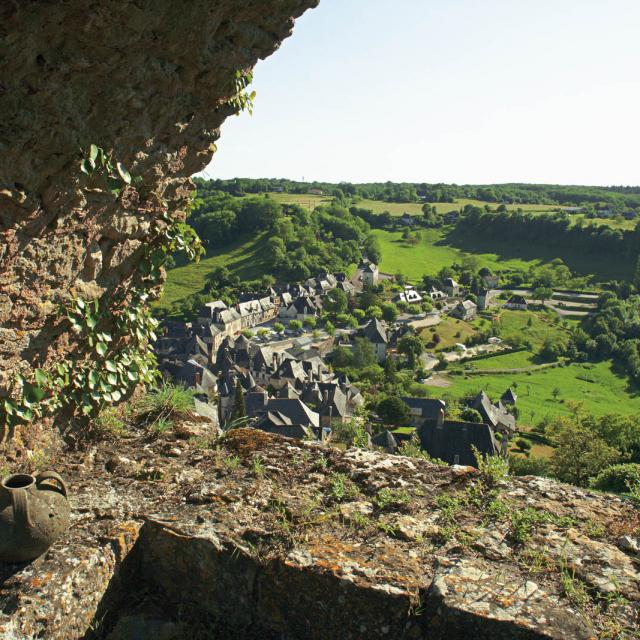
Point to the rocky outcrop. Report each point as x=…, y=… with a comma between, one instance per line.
x=255, y=536
x=146, y=80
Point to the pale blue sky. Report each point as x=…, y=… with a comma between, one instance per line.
x=466, y=91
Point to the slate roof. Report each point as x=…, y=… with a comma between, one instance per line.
x=386, y=440
x=509, y=397
x=456, y=439
x=517, y=300
x=430, y=408
x=294, y=410
x=498, y=418
x=376, y=332
x=288, y=392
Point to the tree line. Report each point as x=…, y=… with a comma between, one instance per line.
x=515, y=193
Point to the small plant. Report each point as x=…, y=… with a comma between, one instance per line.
x=573, y=589
x=493, y=469
x=231, y=463
x=258, y=466
x=388, y=499
x=109, y=422
x=387, y=528
x=340, y=487
x=168, y=403
x=161, y=426
x=39, y=461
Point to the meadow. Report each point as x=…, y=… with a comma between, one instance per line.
x=597, y=387
x=415, y=208
x=432, y=253
x=242, y=258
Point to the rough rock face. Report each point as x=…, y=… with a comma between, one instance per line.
x=256, y=536
x=147, y=80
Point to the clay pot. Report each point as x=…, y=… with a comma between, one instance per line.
x=34, y=512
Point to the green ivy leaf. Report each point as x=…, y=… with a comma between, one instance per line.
x=123, y=173
x=101, y=348
x=111, y=366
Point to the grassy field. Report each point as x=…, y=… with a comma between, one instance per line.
x=415, y=208
x=517, y=360
x=597, y=387
x=307, y=200
x=441, y=247
x=242, y=258
x=534, y=326
x=451, y=331
x=432, y=253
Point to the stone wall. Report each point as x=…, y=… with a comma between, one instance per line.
x=147, y=80
x=256, y=536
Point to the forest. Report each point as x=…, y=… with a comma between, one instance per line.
x=615, y=197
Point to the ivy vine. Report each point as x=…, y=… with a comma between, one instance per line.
x=113, y=333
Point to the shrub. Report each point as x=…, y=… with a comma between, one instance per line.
x=617, y=478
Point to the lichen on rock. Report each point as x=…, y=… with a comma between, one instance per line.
x=211, y=540
x=150, y=83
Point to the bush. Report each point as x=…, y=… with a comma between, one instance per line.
x=617, y=478
x=531, y=466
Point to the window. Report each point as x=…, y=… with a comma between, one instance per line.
x=456, y=459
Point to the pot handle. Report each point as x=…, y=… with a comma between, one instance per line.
x=20, y=500
x=52, y=475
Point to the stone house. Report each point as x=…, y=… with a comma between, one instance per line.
x=370, y=275
x=465, y=310
x=376, y=333
x=451, y=287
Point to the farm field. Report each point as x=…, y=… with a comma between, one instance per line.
x=415, y=208
x=242, y=258
x=516, y=360
x=432, y=253
x=441, y=247
x=306, y=200
x=598, y=388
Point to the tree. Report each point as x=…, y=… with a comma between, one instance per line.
x=542, y=294
x=411, y=346
x=363, y=354
x=393, y=411
x=372, y=249
x=336, y=301
x=329, y=328
x=295, y=325
x=278, y=327
x=390, y=370
x=374, y=311
x=471, y=415
x=580, y=454
x=636, y=277
x=239, y=410
x=310, y=322
x=389, y=312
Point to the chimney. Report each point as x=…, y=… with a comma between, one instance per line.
x=440, y=419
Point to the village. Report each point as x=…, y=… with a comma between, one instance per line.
x=280, y=378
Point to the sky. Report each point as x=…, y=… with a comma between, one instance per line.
x=463, y=91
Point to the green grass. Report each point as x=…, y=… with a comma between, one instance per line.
x=306, y=200
x=433, y=253
x=597, y=387
x=534, y=326
x=517, y=360
x=243, y=258
x=441, y=247
x=448, y=330
x=415, y=208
